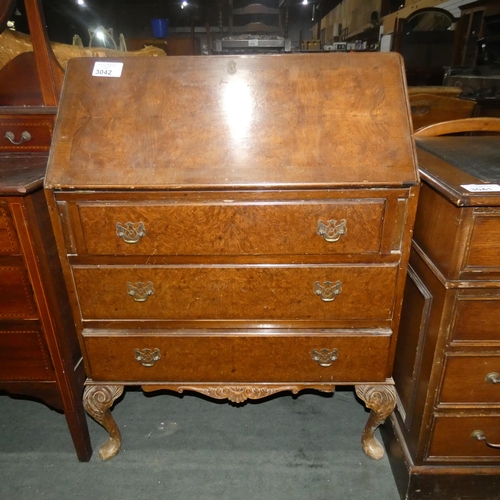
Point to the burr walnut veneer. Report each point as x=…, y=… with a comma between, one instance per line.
x=236, y=226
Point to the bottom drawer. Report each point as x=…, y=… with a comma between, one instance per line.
x=452, y=438
x=238, y=357
x=24, y=355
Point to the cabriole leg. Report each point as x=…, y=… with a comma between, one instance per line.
x=381, y=400
x=97, y=400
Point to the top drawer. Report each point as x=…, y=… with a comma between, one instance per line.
x=228, y=227
x=483, y=252
x=28, y=133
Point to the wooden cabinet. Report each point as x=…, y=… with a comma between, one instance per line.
x=39, y=351
x=238, y=230
x=188, y=45
x=444, y=437
x=472, y=27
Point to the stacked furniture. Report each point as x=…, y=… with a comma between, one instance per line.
x=444, y=441
x=254, y=27
x=240, y=230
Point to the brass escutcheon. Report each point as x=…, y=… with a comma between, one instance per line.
x=129, y=233
x=332, y=231
x=140, y=291
x=324, y=357
x=147, y=357
x=328, y=291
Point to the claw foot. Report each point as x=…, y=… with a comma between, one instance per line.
x=97, y=401
x=381, y=400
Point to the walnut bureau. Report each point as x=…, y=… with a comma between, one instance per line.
x=235, y=225
x=444, y=437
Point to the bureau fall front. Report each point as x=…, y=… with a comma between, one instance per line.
x=236, y=226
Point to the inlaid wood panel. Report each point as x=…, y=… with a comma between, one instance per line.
x=16, y=296
x=9, y=243
x=25, y=134
x=24, y=355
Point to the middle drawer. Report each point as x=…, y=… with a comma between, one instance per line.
x=472, y=378
x=246, y=292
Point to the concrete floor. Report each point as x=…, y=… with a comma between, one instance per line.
x=189, y=447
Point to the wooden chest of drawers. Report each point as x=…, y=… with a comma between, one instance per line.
x=236, y=226
x=39, y=351
x=447, y=371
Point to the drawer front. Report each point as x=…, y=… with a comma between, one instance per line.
x=321, y=227
x=452, y=438
x=24, y=355
x=238, y=358
x=23, y=134
x=236, y=293
x=484, y=245
x=16, y=297
x=9, y=243
x=471, y=379
x=476, y=318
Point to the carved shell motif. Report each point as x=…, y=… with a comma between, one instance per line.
x=238, y=393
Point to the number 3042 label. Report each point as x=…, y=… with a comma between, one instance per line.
x=108, y=69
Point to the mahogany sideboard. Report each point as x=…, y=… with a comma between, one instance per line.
x=40, y=355
x=39, y=351
x=236, y=226
x=444, y=437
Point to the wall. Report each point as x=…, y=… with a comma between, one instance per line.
x=351, y=14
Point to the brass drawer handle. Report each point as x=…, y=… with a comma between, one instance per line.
x=328, y=291
x=129, y=233
x=324, y=357
x=479, y=436
x=331, y=231
x=25, y=137
x=147, y=357
x=140, y=291
x=492, y=378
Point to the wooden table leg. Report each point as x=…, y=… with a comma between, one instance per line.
x=381, y=400
x=97, y=401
